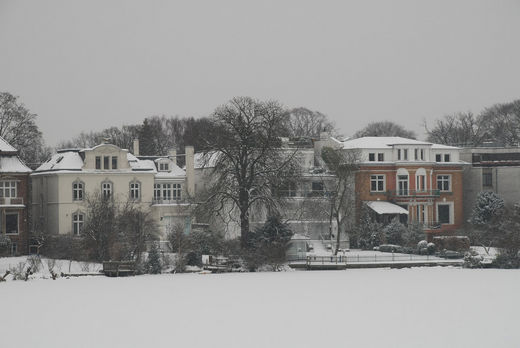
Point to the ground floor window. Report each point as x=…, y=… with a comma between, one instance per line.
x=443, y=213
x=77, y=223
x=11, y=223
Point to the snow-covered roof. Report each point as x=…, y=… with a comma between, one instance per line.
x=70, y=160
x=380, y=142
x=139, y=164
x=389, y=142
x=174, y=172
x=383, y=207
x=5, y=146
x=444, y=147
x=12, y=164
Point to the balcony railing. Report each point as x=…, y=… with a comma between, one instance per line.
x=11, y=200
x=303, y=193
x=413, y=193
x=166, y=201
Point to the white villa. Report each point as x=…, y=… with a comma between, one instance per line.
x=61, y=185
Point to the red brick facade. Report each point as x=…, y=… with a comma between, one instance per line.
x=440, y=211
x=14, y=218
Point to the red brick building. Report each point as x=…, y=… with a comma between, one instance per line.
x=418, y=181
x=14, y=205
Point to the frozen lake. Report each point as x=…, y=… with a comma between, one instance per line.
x=420, y=307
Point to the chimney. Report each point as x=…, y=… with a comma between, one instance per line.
x=190, y=170
x=136, y=147
x=173, y=155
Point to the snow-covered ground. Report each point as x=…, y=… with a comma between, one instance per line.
x=418, y=307
x=59, y=266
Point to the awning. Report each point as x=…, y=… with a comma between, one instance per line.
x=382, y=207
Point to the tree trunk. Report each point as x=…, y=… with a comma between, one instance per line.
x=244, y=217
x=338, y=235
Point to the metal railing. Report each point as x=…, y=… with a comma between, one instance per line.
x=413, y=193
x=166, y=201
x=358, y=259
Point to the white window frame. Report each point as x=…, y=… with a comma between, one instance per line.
x=448, y=180
x=377, y=178
x=373, y=155
x=78, y=221
x=8, y=189
x=164, y=166
x=157, y=191
x=176, y=192
x=134, y=190
x=78, y=193
x=107, y=187
x=451, y=210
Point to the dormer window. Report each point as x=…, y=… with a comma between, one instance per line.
x=405, y=153
x=106, y=162
x=438, y=158
x=98, y=162
x=447, y=157
x=164, y=167
x=398, y=154
x=114, y=162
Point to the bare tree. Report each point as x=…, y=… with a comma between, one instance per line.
x=302, y=122
x=384, y=129
x=461, y=129
x=502, y=123
x=180, y=243
x=249, y=159
x=341, y=192
x=136, y=227
x=18, y=127
x=99, y=232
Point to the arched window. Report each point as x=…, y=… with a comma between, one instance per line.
x=106, y=189
x=78, y=218
x=402, y=182
x=420, y=180
x=78, y=190
x=135, y=190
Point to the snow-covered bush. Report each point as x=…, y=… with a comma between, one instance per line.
x=154, y=260
x=505, y=260
x=472, y=259
x=394, y=232
x=35, y=263
x=267, y=245
x=413, y=234
x=488, y=207
x=369, y=232
x=5, y=245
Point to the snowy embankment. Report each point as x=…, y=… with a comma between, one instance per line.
x=419, y=307
x=42, y=266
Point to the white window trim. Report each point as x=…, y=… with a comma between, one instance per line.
x=111, y=188
x=452, y=210
x=449, y=182
x=77, y=213
x=384, y=182
x=139, y=191
x=77, y=181
x=3, y=190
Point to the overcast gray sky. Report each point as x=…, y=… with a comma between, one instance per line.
x=93, y=64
